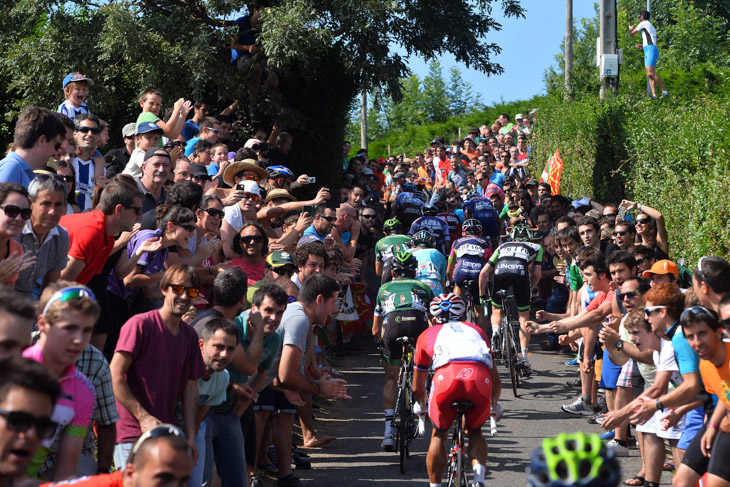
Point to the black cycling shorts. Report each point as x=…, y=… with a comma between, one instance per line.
x=693, y=456
x=520, y=286
x=473, y=289
x=410, y=323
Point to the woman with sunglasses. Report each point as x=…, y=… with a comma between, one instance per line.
x=251, y=245
x=15, y=207
x=66, y=170
x=650, y=228
x=175, y=226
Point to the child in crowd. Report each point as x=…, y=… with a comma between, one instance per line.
x=146, y=137
x=75, y=88
x=201, y=153
x=151, y=102
x=218, y=156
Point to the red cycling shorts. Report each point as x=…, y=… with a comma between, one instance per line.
x=466, y=381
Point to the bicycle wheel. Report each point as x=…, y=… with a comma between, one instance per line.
x=471, y=315
x=460, y=474
x=508, y=352
x=403, y=427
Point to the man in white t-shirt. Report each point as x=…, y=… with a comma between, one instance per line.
x=651, y=51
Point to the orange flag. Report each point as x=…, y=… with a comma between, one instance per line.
x=552, y=172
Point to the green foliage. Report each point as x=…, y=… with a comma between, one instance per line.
x=670, y=154
x=434, y=97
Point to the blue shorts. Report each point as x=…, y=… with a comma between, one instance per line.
x=692, y=424
x=651, y=54
x=609, y=372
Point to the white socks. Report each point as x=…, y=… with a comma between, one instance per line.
x=524, y=354
x=388, y=419
x=479, y=473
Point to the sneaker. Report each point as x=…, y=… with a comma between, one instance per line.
x=596, y=419
x=525, y=367
x=573, y=362
x=290, y=481
x=578, y=407
x=255, y=481
x=388, y=443
x=477, y=484
x=665, y=94
x=608, y=436
x=653, y=97
x=574, y=383
x=299, y=462
x=618, y=450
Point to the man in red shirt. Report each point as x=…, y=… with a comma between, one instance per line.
x=92, y=233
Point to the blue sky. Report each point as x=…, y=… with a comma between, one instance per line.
x=528, y=49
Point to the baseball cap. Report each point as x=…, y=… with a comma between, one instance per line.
x=156, y=152
x=279, y=258
x=531, y=182
x=519, y=116
x=73, y=77
x=435, y=141
x=129, y=130
x=251, y=187
x=382, y=161
x=367, y=171
x=146, y=127
x=199, y=170
x=663, y=266
x=399, y=175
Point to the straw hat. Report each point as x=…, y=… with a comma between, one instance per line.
x=244, y=165
x=277, y=193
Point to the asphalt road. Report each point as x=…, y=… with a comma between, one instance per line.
x=355, y=458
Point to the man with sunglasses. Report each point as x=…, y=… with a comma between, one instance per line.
x=156, y=362
x=238, y=214
x=209, y=129
x=87, y=167
x=39, y=134
x=324, y=220
x=28, y=394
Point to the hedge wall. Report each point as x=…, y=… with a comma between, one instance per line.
x=671, y=154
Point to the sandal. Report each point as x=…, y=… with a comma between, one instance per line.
x=636, y=481
x=668, y=467
x=270, y=468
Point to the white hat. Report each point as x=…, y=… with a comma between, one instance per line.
x=251, y=187
x=519, y=116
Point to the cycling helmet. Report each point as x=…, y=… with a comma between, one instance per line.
x=472, y=226
x=521, y=233
x=392, y=226
x=447, y=307
x=279, y=171
x=576, y=460
x=429, y=210
x=404, y=263
x=424, y=238
x=409, y=188
x=420, y=195
x=471, y=194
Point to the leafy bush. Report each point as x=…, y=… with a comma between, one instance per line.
x=669, y=154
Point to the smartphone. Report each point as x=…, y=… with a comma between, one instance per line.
x=309, y=209
x=621, y=214
x=312, y=179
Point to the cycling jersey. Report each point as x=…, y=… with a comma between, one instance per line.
x=431, y=268
x=512, y=264
x=460, y=355
x=470, y=253
x=384, y=250
x=454, y=224
x=481, y=209
x=407, y=207
x=437, y=226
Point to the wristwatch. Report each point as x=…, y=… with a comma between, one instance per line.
x=619, y=345
x=659, y=405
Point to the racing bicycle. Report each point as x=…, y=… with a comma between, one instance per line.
x=509, y=343
x=456, y=472
x=404, y=423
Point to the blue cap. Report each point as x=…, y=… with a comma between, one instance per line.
x=145, y=127
x=71, y=77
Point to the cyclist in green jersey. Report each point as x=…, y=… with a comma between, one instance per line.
x=393, y=242
x=400, y=310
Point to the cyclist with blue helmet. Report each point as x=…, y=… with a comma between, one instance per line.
x=435, y=225
x=407, y=205
x=431, y=262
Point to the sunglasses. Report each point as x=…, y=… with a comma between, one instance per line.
x=247, y=239
x=86, y=130
x=479, y=180
x=21, y=422
x=287, y=271
x=648, y=311
x=330, y=219
x=12, y=211
x=179, y=289
x=137, y=209
x=611, y=215
x=249, y=177
x=157, y=432
x=214, y=212
x=56, y=144
x=69, y=178
x=369, y=217
x=188, y=227
x=629, y=295
x=694, y=311
x=45, y=177
x=643, y=221
x=250, y=196
x=202, y=178
x=640, y=261
x=215, y=131
x=620, y=232
x=69, y=293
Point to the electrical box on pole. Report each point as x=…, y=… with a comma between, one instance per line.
x=608, y=56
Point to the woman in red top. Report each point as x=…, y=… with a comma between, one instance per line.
x=251, y=246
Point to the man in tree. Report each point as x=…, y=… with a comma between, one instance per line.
x=651, y=51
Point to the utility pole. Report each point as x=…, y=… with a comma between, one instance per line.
x=568, y=54
x=364, y=120
x=608, y=48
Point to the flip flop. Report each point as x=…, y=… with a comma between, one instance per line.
x=635, y=481
x=668, y=467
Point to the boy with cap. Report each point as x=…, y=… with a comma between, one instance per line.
x=75, y=88
x=662, y=272
x=116, y=160
x=151, y=102
x=146, y=137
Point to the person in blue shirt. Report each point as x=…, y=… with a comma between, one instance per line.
x=431, y=263
x=324, y=219
x=39, y=134
x=435, y=225
x=201, y=110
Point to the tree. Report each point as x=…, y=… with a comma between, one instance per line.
x=461, y=98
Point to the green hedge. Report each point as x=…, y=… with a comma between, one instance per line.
x=671, y=154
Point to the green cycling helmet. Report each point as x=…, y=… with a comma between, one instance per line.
x=521, y=233
x=404, y=263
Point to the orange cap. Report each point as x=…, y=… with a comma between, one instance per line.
x=663, y=266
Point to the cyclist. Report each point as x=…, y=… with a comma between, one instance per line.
x=482, y=209
x=400, y=310
x=468, y=256
x=463, y=371
x=431, y=263
x=433, y=224
x=517, y=264
x=407, y=205
x=446, y=205
x=572, y=460
x=393, y=242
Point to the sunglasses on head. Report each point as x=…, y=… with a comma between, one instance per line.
x=21, y=422
x=12, y=211
x=86, y=130
x=247, y=239
x=701, y=275
x=157, y=432
x=214, y=212
x=179, y=289
x=188, y=227
x=694, y=311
